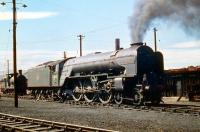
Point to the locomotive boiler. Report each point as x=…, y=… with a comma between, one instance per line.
x=124, y=74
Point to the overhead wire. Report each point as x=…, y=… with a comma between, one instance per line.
x=93, y=31
x=47, y=3
x=6, y=53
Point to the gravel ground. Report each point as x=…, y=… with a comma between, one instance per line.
x=107, y=118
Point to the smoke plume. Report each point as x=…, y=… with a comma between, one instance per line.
x=184, y=12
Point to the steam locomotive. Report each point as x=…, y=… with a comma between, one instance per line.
x=133, y=74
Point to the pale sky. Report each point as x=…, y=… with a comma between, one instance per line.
x=47, y=28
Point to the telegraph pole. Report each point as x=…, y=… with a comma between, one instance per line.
x=14, y=45
x=80, y=38
x=15, y=51
x=8, y=72
x=155, y=39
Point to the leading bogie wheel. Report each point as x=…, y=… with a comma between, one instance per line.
x=137, y=98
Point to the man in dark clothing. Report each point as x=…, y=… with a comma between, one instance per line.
x=21, y=84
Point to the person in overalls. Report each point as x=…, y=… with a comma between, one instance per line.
x=21, y=84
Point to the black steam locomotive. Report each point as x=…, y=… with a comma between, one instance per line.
x=133, y=74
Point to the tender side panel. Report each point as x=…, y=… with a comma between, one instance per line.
x=38, y=77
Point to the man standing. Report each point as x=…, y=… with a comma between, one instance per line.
x=21, y=84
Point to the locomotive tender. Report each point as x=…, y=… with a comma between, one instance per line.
x=132, y=74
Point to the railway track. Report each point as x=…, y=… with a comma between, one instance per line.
x=11, y=123
x=171, y=108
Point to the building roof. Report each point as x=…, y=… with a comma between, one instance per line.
x=190, y=69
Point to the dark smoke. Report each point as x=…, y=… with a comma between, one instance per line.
x=184, y=12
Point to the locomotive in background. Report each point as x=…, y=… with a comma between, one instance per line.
x=134, y=74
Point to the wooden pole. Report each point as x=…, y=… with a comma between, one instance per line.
x=155, y=39
x=81, y=38
x=15, y=51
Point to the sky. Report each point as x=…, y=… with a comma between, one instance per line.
x=47, y=28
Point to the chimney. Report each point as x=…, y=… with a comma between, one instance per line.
x=117, y=44
x=65, y=56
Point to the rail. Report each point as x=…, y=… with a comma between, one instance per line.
x=11, y=123
x=171, y=108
